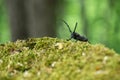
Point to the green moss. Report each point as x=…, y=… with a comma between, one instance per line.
x=56, y=59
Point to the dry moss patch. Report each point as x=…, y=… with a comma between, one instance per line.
x=56, y=59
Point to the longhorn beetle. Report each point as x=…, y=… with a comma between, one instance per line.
x=75, y=35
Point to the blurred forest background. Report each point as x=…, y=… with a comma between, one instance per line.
x=98, y=20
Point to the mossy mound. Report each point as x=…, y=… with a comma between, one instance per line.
x=56, y=59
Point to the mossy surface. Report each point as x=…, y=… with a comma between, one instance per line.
x=56, y=59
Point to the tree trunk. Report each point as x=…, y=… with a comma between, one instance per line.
x=84, y=17
x=31, y=18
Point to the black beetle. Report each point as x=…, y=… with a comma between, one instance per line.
x=75, y=35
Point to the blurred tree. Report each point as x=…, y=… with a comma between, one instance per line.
x=84, y=17
x=32, y=18
x=1, y=8
x=114, y=7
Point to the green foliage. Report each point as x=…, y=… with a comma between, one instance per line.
x=4, y=28
x=57, y=59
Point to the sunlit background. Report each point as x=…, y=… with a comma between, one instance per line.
x=98, y=20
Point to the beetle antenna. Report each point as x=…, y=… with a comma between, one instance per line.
x=75, y=27
x=67, y=26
